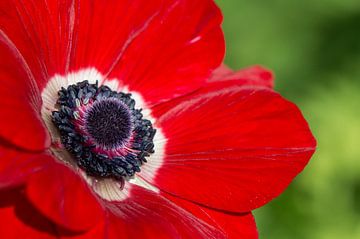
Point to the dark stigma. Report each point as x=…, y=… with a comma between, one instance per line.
x=107, y=136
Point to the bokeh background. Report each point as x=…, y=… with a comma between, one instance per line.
x=313, y=47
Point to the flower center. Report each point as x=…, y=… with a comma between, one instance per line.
x=107, y=136
x=109, y=123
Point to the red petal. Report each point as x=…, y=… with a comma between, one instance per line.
x=149, y=215
x=64, y=197
x=252, y=76
x=186, y=44
x=43, y=31
x=152, y=46
x=145, y=214
x=18, y=219
x=234, y=225
x=16, y=166
x=233, y=149
x=99, y=231
x=20, y=122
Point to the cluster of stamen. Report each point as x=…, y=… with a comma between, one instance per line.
x=102, y=129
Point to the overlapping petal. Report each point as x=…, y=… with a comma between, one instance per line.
x=233, y=225
x=251, y=76
x=146, y=214
x=17, y=166
x=161, y=48
x=232, y=148
x=18, y=219
x=64, y=197
x=20, y=102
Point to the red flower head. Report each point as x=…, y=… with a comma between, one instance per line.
x=115, y=124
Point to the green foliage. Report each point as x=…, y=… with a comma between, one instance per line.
x=313, y=46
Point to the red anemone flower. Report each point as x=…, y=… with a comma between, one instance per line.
x=117, y=121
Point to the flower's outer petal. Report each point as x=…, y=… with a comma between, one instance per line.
x=251, y=76
x=114, y=227
x=99, y=231
x=64, y=197
x=233, y=225
x=161, y=48
x=146, y=214
x=42, y=31
x=20, y=122
x=232, y=149
x=186, y=42
x=16, y=166
x=18, y=219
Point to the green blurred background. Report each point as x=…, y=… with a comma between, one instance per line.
x=313, y=47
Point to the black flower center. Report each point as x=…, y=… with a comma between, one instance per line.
x=102, y=129
x=109, y=123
